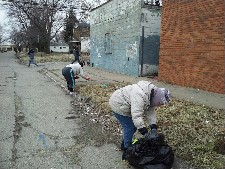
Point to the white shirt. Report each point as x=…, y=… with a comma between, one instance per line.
x=77, y=69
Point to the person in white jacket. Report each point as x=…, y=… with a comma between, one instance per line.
x=71, y=72
x=131, y=103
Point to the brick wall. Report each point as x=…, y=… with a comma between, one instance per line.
x=82, y=32
x=192, y=47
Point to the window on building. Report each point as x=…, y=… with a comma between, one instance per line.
x=108, y=43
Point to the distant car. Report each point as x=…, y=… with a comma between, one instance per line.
x=5, y=50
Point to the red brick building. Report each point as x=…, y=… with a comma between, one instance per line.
x=192, y=47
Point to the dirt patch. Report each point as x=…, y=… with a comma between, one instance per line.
x=93, y=133
x=220, y=145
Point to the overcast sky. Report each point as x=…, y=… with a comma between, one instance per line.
x=4, y=22
x=6, y=29
x=3, y=17
x=2, y=13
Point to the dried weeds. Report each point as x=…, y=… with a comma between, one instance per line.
x=195, y=132
x=41, y=57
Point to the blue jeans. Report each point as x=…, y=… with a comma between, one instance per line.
x=32, y=61
x=128, y=129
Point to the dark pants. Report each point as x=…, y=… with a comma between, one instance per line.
x=77, y=58
x=68, y=74
x=32, y=61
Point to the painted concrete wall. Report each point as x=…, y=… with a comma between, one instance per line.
x=116, y=37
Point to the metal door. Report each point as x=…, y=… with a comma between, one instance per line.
x=149, y=58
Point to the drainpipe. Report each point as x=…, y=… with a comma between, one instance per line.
x=142, y=50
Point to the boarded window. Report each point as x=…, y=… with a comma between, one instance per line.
x=108, y=43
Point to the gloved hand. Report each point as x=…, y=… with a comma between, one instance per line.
x=152, y=135
x=153, y=126
x=143, y=130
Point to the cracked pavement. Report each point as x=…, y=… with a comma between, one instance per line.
x=39, y=128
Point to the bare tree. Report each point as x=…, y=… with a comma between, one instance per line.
x=69, y=26
x=41, y=20
x=1, y=34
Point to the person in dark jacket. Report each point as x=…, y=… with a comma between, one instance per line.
x=76, y=54
x=31, y=57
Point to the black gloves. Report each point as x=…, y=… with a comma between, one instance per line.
x=150, y=135
x=153, y=126
x=153, y=134
x=143, y=130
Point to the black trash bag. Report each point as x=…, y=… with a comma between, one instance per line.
x=150, y=154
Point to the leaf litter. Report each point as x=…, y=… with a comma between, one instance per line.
x=195, y=132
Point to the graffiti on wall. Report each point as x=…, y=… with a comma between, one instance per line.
x=131, y=50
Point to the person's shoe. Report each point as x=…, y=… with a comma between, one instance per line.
x=124, y=155
x=67, y=93
x=72, y=94
x=122, y=146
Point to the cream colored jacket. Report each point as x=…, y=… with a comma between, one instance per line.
x=77, y=69
x=134, y=101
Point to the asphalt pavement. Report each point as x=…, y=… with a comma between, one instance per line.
x=39, y=128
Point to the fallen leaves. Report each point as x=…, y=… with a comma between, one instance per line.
x=192, y=130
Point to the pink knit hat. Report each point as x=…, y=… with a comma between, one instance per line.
x=161, y=96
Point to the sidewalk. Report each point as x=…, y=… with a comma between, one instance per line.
x=102, y=76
